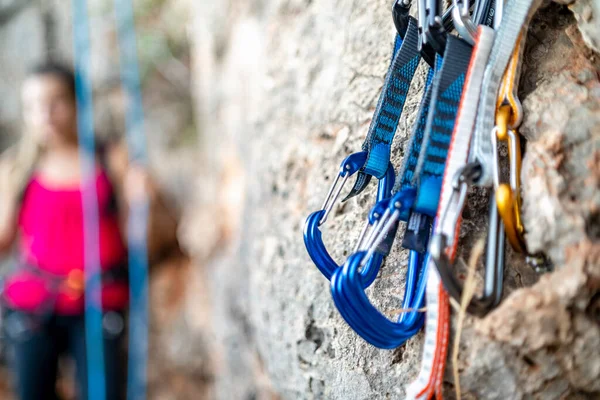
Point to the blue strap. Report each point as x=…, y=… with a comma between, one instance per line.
x=138, y=215
x=445, y=101
x=416, y=234
x=94, y=343
x=393, y=96
x=411, y=158
x=389, y=108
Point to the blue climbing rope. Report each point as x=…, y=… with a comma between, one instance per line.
x=138, y=216
x=87, y=149
x=137, y=227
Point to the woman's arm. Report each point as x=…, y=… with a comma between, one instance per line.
x=8, y=227
x=9, y=208
x=133, y=183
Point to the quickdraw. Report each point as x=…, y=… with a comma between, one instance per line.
x=458, y=177
x=472, y=79
x=347, y=293
x=374, y=160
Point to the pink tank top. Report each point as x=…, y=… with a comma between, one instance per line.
x=51, y=239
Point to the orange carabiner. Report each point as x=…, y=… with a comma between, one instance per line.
x=508, y=196
x=508, y=117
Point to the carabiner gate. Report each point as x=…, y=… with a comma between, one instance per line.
x=494, y=265
x=508, y=196
x=312, y=234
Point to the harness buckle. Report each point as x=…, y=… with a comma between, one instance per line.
x=75, y=282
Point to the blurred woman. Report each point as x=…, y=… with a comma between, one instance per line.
x=40, y=195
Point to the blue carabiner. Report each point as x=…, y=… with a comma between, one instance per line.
x=353, y=303
x=312, y=234
x=357, y=310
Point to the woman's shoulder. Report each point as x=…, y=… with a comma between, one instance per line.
x=114, y=159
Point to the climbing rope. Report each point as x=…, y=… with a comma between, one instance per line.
x=138, y=213
x=87, y=150
x=137, y=227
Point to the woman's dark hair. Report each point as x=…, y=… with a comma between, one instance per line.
x=60, y=71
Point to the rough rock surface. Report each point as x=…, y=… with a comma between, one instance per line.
x=309, y=81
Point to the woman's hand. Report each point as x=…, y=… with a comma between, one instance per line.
x=136, y=185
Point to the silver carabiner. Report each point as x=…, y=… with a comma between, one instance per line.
x=494, y=265
x=465, y=27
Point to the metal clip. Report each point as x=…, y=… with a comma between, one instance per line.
x=426, y=35
x=400, y=202
x=400, y=15
x=494, y=265
x=508, y=196
x=312, y=234
x=465, y=27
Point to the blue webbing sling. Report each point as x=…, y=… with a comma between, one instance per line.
x=446, y=91
x=389, y=108
x=445, y=101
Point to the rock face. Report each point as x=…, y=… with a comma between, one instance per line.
x=291, y=87
x=284, y=90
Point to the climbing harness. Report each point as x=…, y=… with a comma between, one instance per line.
x=137, y=224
